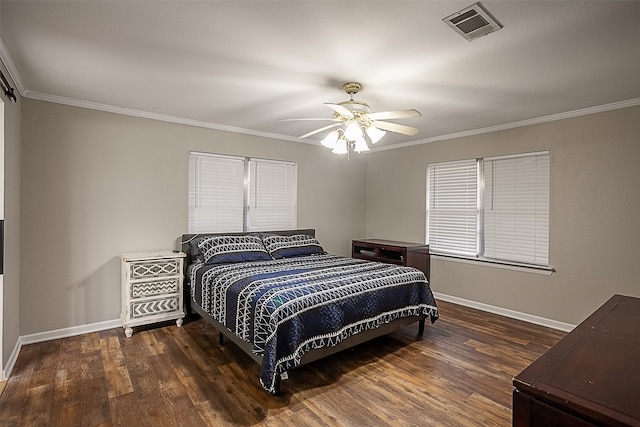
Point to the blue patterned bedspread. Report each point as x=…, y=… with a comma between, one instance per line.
x=289, y=306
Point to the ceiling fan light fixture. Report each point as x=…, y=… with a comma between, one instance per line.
x=341, y=147
x=360, y=145
x=353, y=131
x=331, y=139
x=355, y=126
x=375, y=134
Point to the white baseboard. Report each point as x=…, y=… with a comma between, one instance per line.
x=55, y=334
x=70, y=332
x=530, y=318
x=101, y=326
x=12, y=359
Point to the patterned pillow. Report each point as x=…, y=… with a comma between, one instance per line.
x=221, y=249
x=292, y=246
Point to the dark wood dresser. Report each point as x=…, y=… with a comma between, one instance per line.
x=401, y=253
x=589, y=378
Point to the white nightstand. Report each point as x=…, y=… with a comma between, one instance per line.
x=151, y=288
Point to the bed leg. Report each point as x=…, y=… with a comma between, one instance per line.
x=421, y=327
x=221, y=338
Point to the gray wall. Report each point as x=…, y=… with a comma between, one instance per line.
x=595, y=205
x=97, y=184
x=11, y=292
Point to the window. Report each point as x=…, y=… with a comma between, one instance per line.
x=272, y=191
x=216, y=193
x=231, y=194
x=516, y=209
x=453, y=214
x=493, y=208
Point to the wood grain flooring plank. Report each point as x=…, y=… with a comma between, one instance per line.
x=304, y=417
x=94, y=403
x=341, y=382
x=417, y=398
x=240, y=407
x=15, y=394
x=488, y=412
x=149, y=344
x=94, y=387
x=66, y=408
x=249, y=386
x=115, y=367
x=193, y=368
x=457, y=374
x=174, y=397
x=211, y=414
x=45, y=366
x=128, y=410
x=167, y=401
x=90, y=342
x=38, y=401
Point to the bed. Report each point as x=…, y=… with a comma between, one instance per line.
x=286, y=302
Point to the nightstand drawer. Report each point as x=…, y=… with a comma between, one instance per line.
x=153, y=288
x=154, y=268
x=154, y=307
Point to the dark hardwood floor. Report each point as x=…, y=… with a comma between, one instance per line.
x=458, y=374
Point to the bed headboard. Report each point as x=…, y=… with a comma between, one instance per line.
x=188, y=238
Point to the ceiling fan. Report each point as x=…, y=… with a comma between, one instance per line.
x=354, y=120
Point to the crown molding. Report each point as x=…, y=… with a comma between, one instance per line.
x=155, y=116
x=11, y=67
x=5, y=56
x=512, y=125
x=209, y=125
x=15, y=76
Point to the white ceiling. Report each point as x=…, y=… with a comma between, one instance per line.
x=242, y=65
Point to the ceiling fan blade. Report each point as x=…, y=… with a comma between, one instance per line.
x=394, y=127
x=326, y=119
x=399, y=114
x=313, y=132
x=340, y=109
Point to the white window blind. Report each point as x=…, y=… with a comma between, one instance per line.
x=516, y=208
x=495, y=208
x=452, y=207
x=219, y=200
x=216, y=193
x=272, y=195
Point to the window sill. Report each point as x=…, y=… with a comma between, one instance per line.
x=535, y=269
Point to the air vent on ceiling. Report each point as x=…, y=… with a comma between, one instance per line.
x=473, y=22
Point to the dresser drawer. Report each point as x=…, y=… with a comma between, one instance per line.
x=154, y=288
x=154, y=307
x=154, y=268
x=414, y=255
